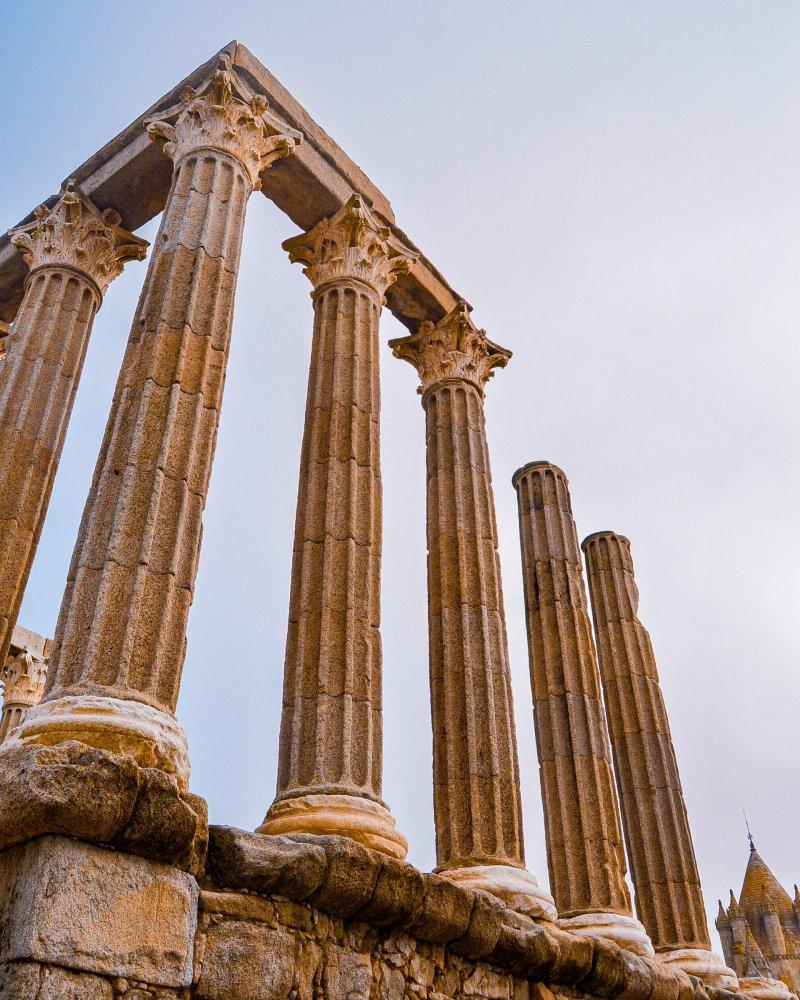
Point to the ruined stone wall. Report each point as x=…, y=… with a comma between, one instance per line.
x=274, y=918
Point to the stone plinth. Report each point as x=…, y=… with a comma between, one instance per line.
x=120, y=642
x=477, y=805
x=330, y=754
x=584, y=842
x=73, y=252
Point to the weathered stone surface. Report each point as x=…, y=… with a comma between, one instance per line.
x=95, y=910
x=350, y=875
x=397, y=897
x=162, y=823
x=31, y=981
x=332, y=958
x=331, y=741
x=240, y=860
x=97, y=796
x=483, y=930
x=245, y=961
x=669, y=900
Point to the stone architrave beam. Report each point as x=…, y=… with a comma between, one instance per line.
x=130, y=176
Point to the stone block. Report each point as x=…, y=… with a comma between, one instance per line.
x=101, y=797
x=245, y=961
x=96, y=910
x=31, y=981
x=261, y=863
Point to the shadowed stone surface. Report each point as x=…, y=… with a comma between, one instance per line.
x=100, y=797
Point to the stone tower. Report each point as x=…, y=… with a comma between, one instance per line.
x=760, y=933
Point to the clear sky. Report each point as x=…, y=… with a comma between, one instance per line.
x=614, y=186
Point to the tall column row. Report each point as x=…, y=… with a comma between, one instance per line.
x=669, y=899
x=120, y=641
x=584, y=843
x=477, y=807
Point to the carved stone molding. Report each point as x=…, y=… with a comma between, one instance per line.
x=353, y=244
x=223, y=115
x=23, y=676
x=75, y=234
x=453, y=348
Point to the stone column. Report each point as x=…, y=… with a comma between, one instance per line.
x=74, y=252
x=120, y=641
x=669, y=900
x=476, y=801
x=584, y=845
x=5, y=331
x=22, y=676
x=330, y=755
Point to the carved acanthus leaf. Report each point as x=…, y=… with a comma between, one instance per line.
x=23, y=676
x=74, y=233
x=453, y=348
x=352, y=243
x=223, y=115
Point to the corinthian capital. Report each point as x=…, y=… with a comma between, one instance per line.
x=23, y=676
x=76, y=234
x=352, y=243
x=223, y=115
x=453, y=348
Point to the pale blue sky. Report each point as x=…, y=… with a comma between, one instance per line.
x=613, y=185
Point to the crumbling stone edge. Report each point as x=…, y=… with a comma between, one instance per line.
x=102, y=798
x=343, y=879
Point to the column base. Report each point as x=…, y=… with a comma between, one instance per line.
x=367, y=822
x=761, y=988
x=706, y=965
x=516, y=887
x=623, y=930
x=148, y=736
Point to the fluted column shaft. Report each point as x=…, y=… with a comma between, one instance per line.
x=331, y=739
x=74, y=251
x=584, y=842
x=476, y=775
x=331, y=726
x=669, y=899
x=476, y=792
x=121, y=637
